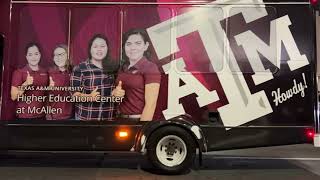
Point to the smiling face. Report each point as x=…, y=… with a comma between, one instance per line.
x=135, y=47
x=60, y=57
x=99, y=49
x=33, y=56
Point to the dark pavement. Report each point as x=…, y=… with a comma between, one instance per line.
x=295, y=162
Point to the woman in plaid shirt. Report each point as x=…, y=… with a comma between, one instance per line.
x=96, y=76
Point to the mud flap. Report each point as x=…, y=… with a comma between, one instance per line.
x=316, y=140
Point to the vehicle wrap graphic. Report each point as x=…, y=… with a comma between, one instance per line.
x=246, y=60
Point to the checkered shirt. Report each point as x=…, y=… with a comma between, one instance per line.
x=89, y=76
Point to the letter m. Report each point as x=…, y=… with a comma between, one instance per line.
x=279, y=33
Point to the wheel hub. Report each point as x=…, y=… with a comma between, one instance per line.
x=171, y=150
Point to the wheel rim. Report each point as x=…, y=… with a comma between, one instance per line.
x=171, y=150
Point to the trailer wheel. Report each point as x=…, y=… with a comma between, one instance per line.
x=171, y=149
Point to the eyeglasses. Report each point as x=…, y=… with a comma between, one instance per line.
x=60, y=55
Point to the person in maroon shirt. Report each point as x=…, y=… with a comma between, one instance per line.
x=24, y=85
x=59, y=76
x=139, y=78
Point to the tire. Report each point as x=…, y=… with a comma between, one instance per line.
x=181, y=154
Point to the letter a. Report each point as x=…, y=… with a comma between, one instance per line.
x=192, y=85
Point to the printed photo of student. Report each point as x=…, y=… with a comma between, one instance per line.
x=96, y=76
x=139, y=77
x=24, y=83
x=59, y=76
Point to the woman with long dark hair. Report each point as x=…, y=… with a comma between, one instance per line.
x=96, y=77
x=139, y=77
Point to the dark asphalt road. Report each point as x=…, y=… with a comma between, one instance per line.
x=298, y=162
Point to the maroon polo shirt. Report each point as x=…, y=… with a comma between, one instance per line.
x=40, y=78
x=61, y=79
x=134, y=80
